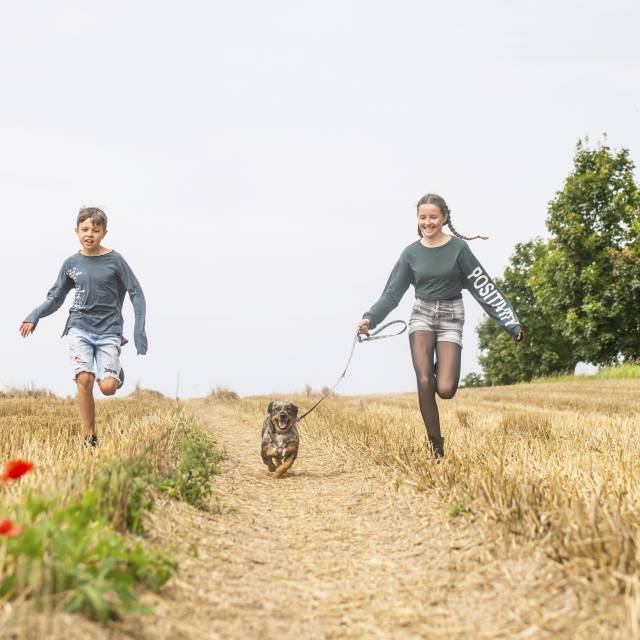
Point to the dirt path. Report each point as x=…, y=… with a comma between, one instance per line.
x=334, y=551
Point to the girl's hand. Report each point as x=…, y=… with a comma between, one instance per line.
x=520, y=336
x=363, y=326
x=26, y=328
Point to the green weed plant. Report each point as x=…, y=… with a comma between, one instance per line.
x=74, y=553
x=190, y=480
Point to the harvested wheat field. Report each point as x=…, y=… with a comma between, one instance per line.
x=527, y=529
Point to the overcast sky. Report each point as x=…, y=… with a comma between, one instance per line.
x=260, y=163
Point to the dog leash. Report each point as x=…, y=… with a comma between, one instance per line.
x=360, y=337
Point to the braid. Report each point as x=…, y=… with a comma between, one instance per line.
x=432, y=198
x=458, y=235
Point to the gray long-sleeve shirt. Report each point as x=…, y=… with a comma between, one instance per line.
x=100, y=284
x=440, y=273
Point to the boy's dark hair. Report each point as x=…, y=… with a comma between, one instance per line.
x=98, y=216
x=438, y=201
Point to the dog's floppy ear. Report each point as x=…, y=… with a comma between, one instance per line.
x=270, y=407
x=295, y=410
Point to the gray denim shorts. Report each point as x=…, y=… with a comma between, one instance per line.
x=444, y=317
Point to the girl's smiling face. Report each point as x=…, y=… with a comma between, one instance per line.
x=90, y=235
x=430, y=221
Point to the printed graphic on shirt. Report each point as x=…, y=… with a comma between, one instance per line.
x=80, y=297
x=491, y=296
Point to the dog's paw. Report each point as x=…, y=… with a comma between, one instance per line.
x=283, y=468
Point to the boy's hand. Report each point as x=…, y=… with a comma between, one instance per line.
x=520, y=336
x=26, y=328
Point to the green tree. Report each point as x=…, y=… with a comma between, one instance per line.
x=588, y=281
x=472, y=380
x=544, y=351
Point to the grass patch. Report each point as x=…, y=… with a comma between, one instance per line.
x=458, y=508
x=629, y=371
x=76, y=552
x=619, y=372
x=524, y=425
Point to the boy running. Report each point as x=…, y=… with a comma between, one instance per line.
x=101, y=277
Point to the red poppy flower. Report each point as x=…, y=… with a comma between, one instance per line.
x=16, y=468
x=10, y=529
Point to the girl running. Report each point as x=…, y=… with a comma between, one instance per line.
x=439, y=266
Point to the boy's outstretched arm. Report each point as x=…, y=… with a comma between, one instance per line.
x=55, y=298
x=134, y=290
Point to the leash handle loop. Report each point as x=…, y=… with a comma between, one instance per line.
x=374, y=335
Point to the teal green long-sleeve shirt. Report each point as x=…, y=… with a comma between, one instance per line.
x=440, y=273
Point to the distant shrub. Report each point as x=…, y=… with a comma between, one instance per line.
x=310, y=392
x=473, y=380
x=27, y=392
x=222, y=393
x=140, y=393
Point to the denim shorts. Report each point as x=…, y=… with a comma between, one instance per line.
x=444, y=317
x=96, y=354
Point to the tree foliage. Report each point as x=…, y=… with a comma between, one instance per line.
x=544, y=351
x=472, y=380
x=577, y=294
x=589, y=281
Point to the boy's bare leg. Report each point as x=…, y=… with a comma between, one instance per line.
x=86, y=402
x=108, y=386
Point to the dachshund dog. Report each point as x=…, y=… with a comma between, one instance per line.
x=280, y=437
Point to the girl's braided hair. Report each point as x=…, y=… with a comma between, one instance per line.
x=433, y=198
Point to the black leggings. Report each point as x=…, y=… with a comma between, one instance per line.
x=439, y=377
